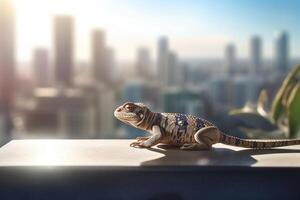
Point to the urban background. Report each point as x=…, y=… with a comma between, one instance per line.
x=68, y=86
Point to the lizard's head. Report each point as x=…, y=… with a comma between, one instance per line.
x=131, y=113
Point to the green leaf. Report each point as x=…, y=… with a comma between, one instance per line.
x=262, y=103
x=294, y=112
x=279, y=105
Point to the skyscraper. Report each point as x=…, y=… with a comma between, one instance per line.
x=110, y=64
x=63, y=50
x=174, y=74
x=41, y=67
x=282, y=51
x=143, y=63
x=7, y=65
x=162, y=61
x=255, y=54
x=98, y=54
x=230, y=59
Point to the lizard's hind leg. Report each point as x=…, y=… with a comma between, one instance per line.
x=208, y=136
x=205, y=138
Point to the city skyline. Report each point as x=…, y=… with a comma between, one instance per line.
x=195, y=32
x=68, y=98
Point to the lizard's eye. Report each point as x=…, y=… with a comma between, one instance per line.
x=141, y=115
x=128, y=107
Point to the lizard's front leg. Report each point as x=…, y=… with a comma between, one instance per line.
x=153, y=140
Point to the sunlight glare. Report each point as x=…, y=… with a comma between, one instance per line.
x=49, y=153
x=122, y=25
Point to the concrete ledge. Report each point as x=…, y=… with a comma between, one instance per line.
x=110, y=169
x=117, y=153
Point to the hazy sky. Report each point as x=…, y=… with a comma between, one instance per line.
x=195, y=28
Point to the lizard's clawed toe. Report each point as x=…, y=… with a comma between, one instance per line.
x=137, y=145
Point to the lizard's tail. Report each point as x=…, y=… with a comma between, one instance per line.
x=256, y=144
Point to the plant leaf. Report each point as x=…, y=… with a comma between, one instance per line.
x=294, y=112
x=262, y=103
x=279, y=104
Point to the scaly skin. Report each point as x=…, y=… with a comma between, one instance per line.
x=185, y=131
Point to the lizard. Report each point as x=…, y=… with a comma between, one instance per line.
x=184, y=131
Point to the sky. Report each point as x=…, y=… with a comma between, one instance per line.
x=196, y=29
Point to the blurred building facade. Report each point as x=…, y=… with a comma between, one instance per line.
x=255, y=55
x=60, y=113
x=162, y=61
x=7, y=68
x=282, y=52
x=64, y=50
x=41, y=66
x=174, y=71
x=143, y=63
x=230, y=59
x=98, y=55
x=184, y=101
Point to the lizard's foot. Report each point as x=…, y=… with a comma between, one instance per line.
x=138, y=144
x=195, y=147
x=142, y=138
